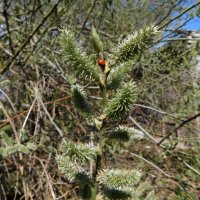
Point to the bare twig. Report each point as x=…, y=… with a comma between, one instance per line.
x=155, y=109
x=181, y=182
x=25, y=111
x=21, y=167
x=28, y=114
x=5, y=14
x=175, y=30
x=178, y=127
x=143, y=130
x=190, y=167
x=90, y=11
x=181, y=14
x=3, y=193
x=9, y=100
x=10, y=121
x=63, y=195
x=47, y=113
x=171, y=7
x=30, y=37
x=48, y=178
x=150, y=163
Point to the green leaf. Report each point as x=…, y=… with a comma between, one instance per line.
x=9, y=150
x=5, y=139
x=66, y=167
x=117, y=183
x=79, y=153
x=72, y=170
x=118, y=74
x=78, y=62
x=119, y=178
x=31, y=146
x=120, y=106
x=79, y=100
x=123, y=133
x=134, y=44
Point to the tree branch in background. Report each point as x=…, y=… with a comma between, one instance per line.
x=29, y=38
x=90, y=11
x=181, y=14
x=5, y=14
x=176, y=29
x=169, y=12
x=178, y=127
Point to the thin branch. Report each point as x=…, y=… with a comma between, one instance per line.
x=25, y=111
x=181, y=182
x=47, y=113
x=48, y=178
x=28, y=113
x=90, y=11
x=30, y=37
x=153, y=165
x=11, y=122
x=169, y=12
x=159, y=144
x=5, y=14
x=178, y=16
x=176, y=29
x=61, y=12
x=155, y=109
x=190, y=167
x=180, y=39
x=143, y=130
x=9, y=100
x=178, y=127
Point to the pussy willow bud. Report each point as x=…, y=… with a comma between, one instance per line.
x=98, y=45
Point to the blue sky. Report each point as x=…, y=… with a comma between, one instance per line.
x=194, y=18
x=194, y=24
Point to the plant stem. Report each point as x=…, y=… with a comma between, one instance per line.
x=94, y=192
x=101, y=145
x=104, y=94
